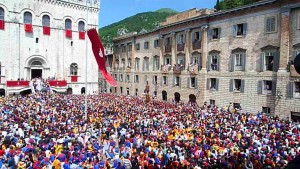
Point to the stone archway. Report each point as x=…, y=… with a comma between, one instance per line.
x=37, y=66
x=83, y=90
x=164, y=95
x=192, y=98
x=177, y=97
x=2, y=92
x=69, y=90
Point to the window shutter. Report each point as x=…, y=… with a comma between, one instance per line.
x=244, y=62
x=167, y=80
x=290, y=90
x=232, y=61
x=274, y=87
x=162, y=81
x=196, y=82
x=193, y=36
x=231, y=85
x=179, y=82
x=219, y=30
x=209, y=62
x=207, y=83
x=276, y=61
x=217, y=84
x=218, y=63
x=294, y=54
x=242, y=86
x=259, y=87
x=210, y=33
x=244, y=28
x=262, y=61
x=189, y=82
x=234, y=30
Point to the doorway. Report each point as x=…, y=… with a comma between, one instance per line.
x=164, y=95
x=177, y=97
x=2, y=92
x=36, y=73
x=192, y=98
x=83, y=90
x=69, y=91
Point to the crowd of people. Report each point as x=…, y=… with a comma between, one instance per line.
x=50, y=130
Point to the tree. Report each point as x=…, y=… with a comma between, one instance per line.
x=229, y=4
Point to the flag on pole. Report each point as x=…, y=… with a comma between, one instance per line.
x=98, y=51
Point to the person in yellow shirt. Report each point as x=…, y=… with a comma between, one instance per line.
x=56, y=164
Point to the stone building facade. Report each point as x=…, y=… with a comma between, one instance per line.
x=240, y=56
x=46, y=38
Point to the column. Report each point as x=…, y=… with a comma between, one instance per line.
x=204, y=47
x=173, y=35
x=161, y=51
x=132, y=55
x=187, y=47
x=284, y=38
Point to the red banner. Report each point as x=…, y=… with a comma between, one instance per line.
x=69, y=33
x=28, y=28
x=99, y=54
x=17, y=83
x=74, y=78
x=2, y=24
x=46, y=30
x=81, y=35
x=58, y=83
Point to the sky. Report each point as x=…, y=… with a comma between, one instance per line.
x=112, y=11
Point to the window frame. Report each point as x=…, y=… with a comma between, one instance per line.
x=136, y=79
x=156, y=43
x=74, y=69
x=137, y=46
x=137, y=64
x=68, y=25
x=195, y=83
x=296, y=94
x=44, y=20
x=27, y=20
x=2, y=11
x=264, y=90
x=81, y=26
x=275, y=24
x=156, y=61
x=146, y=45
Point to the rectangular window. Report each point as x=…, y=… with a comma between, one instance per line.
x=216, y=33
x=123, y=48
x=129, y=48
x=156, y=63
x=146, y=45
x=121, y=78
x=180, y=39
x=266, y=110
x=121, y=90
x=238, y=62
x=196, y=36
x=237, y=84
x=271, y=24
x=212, y=84
x=115, y=76
x=212, y=102
x=155, y=80
x=267, y=61
x=146, y=64
x=129, y=63
x=164, y=80
x=128, y=78
x=297, y=90
x=168, y=41
x=167, y=60
x=193, y=82
x=136, y=80
x=145, y=79
x=156, y=43
x=137, y=46
x=214, y=62
x=236, y=105
x=267, y=87
x=137, y=64
x=127, y=89
x=123, y=63
x=177, y=81
x=240, y=29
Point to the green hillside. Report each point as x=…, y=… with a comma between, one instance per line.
x=140, y=23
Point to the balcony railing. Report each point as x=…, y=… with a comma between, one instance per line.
x=180, y=47
x=193, y=69
x=57, y=83
x=165, y=68
x=177, y=69
x=196, y=45
x=168, y=48
x=17, y=83
x=293, y=72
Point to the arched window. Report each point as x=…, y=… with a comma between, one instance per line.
x=46, y=20
x=73, y=69
x=36, y=63
x=1, y=14
x=68, y=24
x=81, y=26
x=27, y=18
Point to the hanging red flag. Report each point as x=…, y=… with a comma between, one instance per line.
x=98, y=51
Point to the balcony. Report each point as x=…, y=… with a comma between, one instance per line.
x=128, y=69
x=165, y=68
x=57, y=83
x=177, y=69
x=180, y=47
x=293, y=72
x=168, y=48
x=193, y=69
x=196, y=45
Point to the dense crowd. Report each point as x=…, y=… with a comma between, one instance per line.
x=46, y=130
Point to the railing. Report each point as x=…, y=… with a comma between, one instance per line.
x=196, y=45
x=193, y=69
x=165, y=68
x=12, y=83
x=180, y=47
x=168, y=48
x=178, y=68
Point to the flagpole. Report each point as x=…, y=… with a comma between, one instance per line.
x=86, y=53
